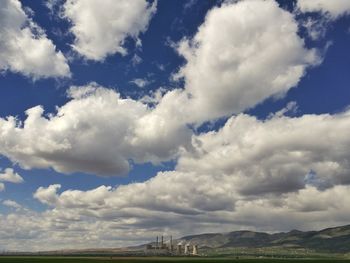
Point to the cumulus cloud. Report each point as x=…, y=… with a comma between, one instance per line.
x=248, y=69
x=47, y=195
x=242, y=54
x=182, y=203
x=9, y=175
x=25, y=48
x=275, y=155
x=269, y=175
x=101, y=27
x=311, y=199
x=333, y=9
x=96, y=132
x=12, y=204
x=166, y=192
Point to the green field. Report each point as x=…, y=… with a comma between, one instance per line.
x=157, y=260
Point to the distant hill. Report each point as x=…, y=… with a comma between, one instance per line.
x=330, y=240
x=327, y=242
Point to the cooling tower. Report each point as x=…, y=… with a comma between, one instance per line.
x=195, y=250
x=187, y=249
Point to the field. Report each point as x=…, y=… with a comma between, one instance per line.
x=157, y=260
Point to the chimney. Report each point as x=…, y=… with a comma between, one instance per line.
x=171, y=243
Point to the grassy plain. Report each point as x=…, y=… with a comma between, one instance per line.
x=4, y=259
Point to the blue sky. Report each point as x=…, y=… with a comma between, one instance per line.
x=203, y=112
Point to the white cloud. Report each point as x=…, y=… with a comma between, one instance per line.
x=249, y=68
x=316, y=28
x=24, y=47
x=312, y=200
x=225, y=73
x=274, y=156
x=291, y=108
x=174, y=192
x=47, y=195
x=242, y=54
x=181, y=204
x=96, y=132
x=250, y=174
x=141, y=83
x=136, y=60
x=334, y=8
x=101, y=27
x=12, y=204
x=9, y=175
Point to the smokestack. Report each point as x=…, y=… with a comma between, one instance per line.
x=171, y=243
x=157, y=243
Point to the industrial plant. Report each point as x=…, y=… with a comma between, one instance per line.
x=162, y=247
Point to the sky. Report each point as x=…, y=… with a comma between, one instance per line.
x=123, y=120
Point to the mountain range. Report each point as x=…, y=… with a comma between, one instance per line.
x=330, y=240
x=295, y=243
